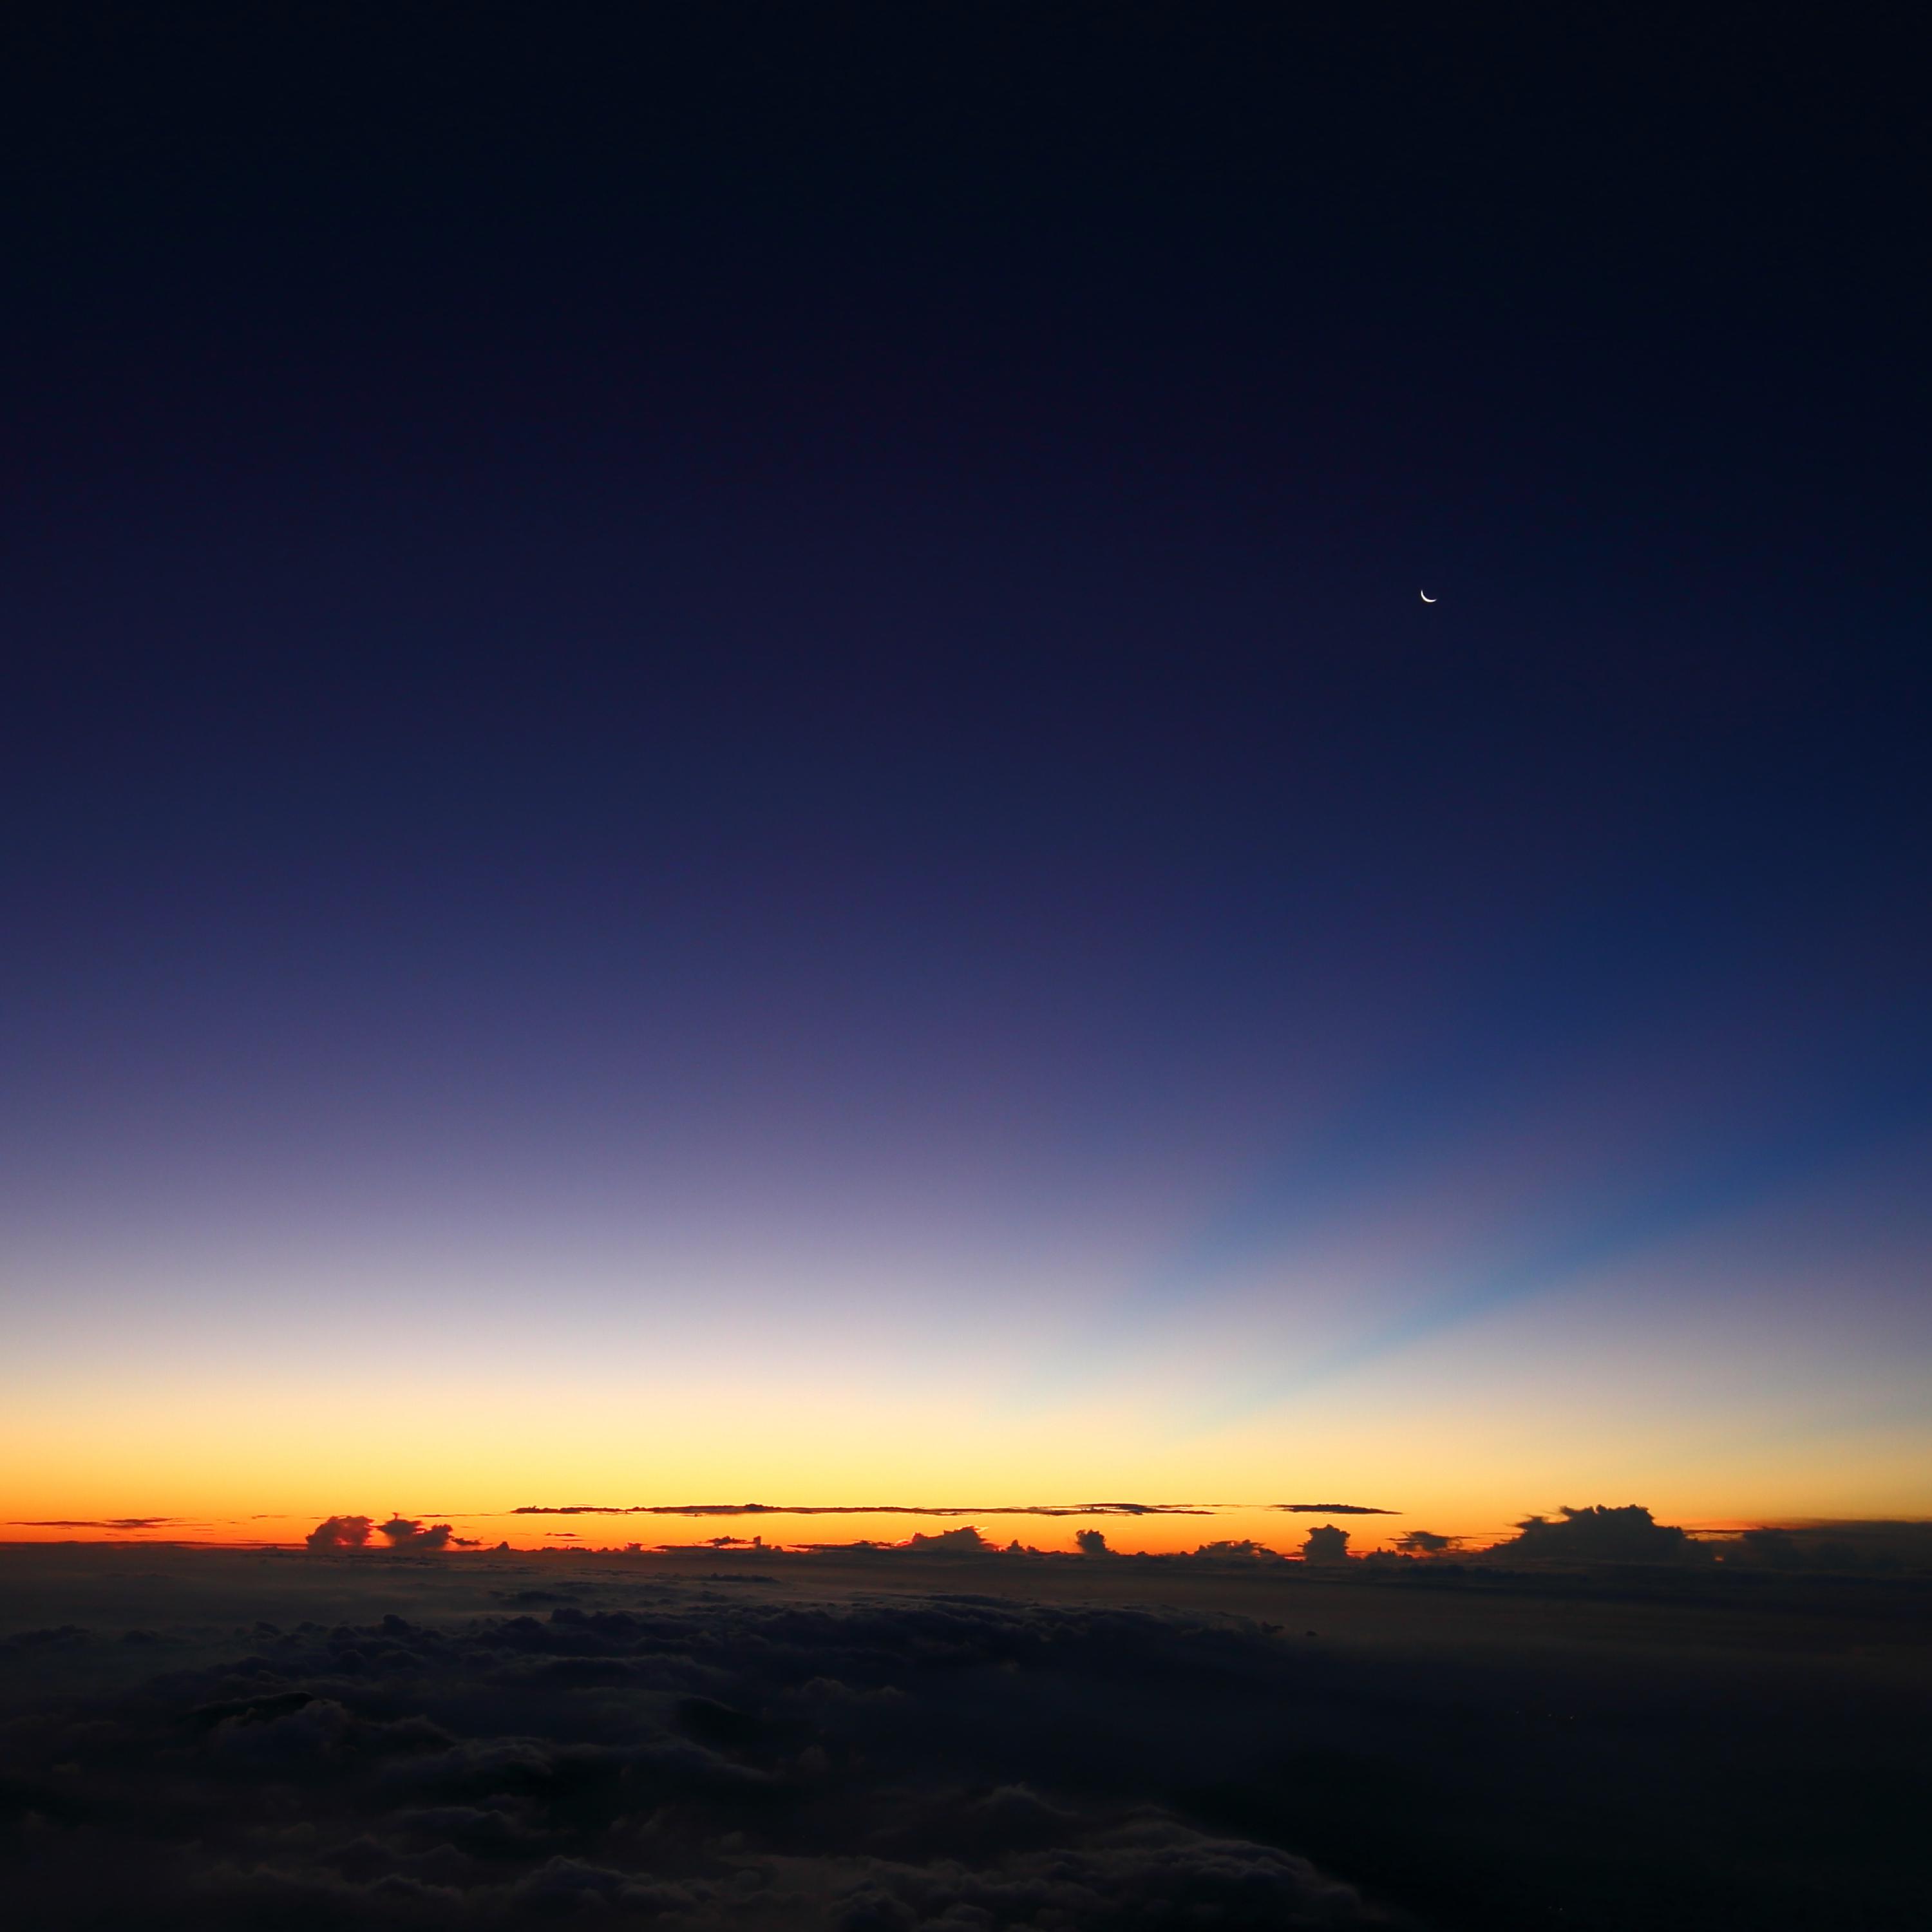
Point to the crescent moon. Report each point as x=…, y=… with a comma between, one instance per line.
x=1425, y=596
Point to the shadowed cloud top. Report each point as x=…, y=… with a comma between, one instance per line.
x=230, y=1743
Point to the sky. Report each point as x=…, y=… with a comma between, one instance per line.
x=724, y=778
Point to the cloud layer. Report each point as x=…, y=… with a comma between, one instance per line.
x=219, y=1741
x=676, y=1763
x=1603, y=1533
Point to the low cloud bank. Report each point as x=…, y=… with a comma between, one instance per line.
x=1601, y=1534
x=1849, y=1548
x=1424, y=1542
x=867, y=1509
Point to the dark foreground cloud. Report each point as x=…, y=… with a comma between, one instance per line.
x=521, y=1740
x=672, y=1763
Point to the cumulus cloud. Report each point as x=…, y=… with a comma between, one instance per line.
x=1325, y=1544
x=1602, y=1533
x=400, y=1532
x=1423, y=1542
x=964, y=1541
x=404, y=1533
x=339, y=1532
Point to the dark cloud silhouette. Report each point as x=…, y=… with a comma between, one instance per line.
x=1092, y=1543
x=1325, y=1544
x=867, y=1509
x=403, y=1533
x=339, y=1532
x=964, y=1541
x=1846, y=1548
x=1781, y=1550
x=96, y=1522
x=1332, y=1509
x=1601, y=1534
x=400, y=1533
x=1423, y=1542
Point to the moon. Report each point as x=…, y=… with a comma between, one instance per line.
x=1425, y=596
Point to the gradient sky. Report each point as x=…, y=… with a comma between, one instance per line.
x=723, y=776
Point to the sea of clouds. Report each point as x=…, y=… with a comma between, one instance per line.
x=874, y=1766
x=385, y=1739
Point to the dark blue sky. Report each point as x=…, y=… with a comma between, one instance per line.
x=782, y=648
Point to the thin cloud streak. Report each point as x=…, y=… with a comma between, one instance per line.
x=865, y=1509
x=91, y=1522
x=1332, y=1509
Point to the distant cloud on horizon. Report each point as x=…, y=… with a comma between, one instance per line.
x=404, y=1533
x=339, y=1532
x=91, y=1522
x=1602, y=1533
x=342, y=1533
x=1332, y=1509
x=871, y=1509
